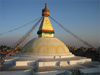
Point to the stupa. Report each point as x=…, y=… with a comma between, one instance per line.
x=46, y=44
x=47, y=55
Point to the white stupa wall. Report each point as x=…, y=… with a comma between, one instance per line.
x=25, y=63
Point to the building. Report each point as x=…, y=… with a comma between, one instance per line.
x=47, y=55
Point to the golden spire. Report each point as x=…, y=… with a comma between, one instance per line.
x=45, y=5
x=45, y=29
x=45, y=11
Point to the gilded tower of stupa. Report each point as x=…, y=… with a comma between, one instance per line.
x=46, y=29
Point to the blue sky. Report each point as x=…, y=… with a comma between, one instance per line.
x=79, y=16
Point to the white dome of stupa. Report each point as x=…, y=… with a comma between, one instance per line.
x=46, y=46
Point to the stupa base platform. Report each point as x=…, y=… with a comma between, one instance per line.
x=43, y=61
x=31, y=65
x=90, y=68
